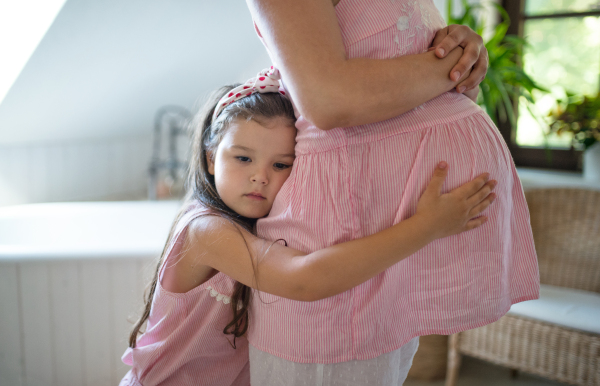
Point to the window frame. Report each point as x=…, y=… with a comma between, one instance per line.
x=560, y=159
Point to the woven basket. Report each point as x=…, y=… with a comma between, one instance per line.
x=566, y=230
x=545, y=349
x=429, y=363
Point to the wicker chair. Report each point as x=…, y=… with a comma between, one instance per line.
x=566, y=229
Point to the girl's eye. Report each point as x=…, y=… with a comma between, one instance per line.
x=281, y=166
x=243, y=159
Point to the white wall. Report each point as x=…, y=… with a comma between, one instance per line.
x=74, y=170
x=95, y=81
x=90, y=91
x=104, y=68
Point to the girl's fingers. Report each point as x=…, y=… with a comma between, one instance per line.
x=439, y=177
x=482, y=205
x=470, y=188
x=476, y=222
x=482, y=193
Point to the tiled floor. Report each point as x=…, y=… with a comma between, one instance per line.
x=475, y=372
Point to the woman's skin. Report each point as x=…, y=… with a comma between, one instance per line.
x=475, y=55
x=331, y=91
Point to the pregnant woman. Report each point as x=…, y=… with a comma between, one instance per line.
x=375, y=115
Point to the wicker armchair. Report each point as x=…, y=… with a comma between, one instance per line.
x=566, y=229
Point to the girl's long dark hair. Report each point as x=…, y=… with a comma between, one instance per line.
x=201, y=187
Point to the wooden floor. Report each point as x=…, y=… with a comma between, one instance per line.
x=475, y=372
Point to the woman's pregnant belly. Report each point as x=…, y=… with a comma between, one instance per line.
x=355, y=190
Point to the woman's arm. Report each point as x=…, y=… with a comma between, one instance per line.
x=332, y=91
x=270, y=267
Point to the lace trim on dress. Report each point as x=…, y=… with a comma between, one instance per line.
x=219, y=297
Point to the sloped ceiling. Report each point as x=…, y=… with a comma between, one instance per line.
x=105, y=67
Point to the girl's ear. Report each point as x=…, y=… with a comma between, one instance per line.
x=210, y=163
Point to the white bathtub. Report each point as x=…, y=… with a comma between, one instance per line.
x=71, y=274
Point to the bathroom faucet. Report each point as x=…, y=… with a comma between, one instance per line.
x=175, y=119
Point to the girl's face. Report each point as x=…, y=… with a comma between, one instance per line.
x=251, y=164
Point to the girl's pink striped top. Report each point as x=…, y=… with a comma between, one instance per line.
x=184, y=342
x=351, y=182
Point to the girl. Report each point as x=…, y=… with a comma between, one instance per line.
x=243, y=153
x=374, y=116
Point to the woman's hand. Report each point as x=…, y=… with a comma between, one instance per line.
x=472, y=93
x=475, y=54
x=457, y=211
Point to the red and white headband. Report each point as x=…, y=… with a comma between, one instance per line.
x=266, y=81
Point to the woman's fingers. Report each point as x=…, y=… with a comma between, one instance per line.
x=463, y=36
x=474, y=58
x=477, y=74
x=472, y=93
x=437, y=39
x=449, y=38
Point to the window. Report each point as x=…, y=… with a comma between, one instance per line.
x=564, y=55
x=23, y=24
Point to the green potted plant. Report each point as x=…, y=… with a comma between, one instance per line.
x=580, y=116
x=505, y=80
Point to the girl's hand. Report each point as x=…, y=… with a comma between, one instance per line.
x=475, y=54
x=454, y=212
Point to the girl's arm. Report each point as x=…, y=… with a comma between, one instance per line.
x=270, y=267
x=330, y=90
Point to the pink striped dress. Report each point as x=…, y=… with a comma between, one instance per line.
x=348, y=183
x=184, y=342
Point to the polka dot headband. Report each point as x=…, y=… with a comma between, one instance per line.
x=266, y=81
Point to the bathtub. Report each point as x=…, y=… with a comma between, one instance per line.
x=72, y=277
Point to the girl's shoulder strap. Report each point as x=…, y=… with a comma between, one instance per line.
x=189, y=213
x=192, y=211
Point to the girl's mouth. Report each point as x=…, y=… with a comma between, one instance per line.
x=255, y=196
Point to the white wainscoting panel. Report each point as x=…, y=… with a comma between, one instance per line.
x=96, y=319
x=11, y=366
x=103, y=169
x=36, y=329
x=67, y=322
x=123, y=275
x=68, y=334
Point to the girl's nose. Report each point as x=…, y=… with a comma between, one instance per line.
x=261, y=177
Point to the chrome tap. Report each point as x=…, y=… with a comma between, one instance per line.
x=175, y=119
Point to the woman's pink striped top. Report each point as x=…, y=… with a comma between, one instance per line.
x=184, y=342
x=348, y=183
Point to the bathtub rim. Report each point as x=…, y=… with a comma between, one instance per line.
x=11, y=253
